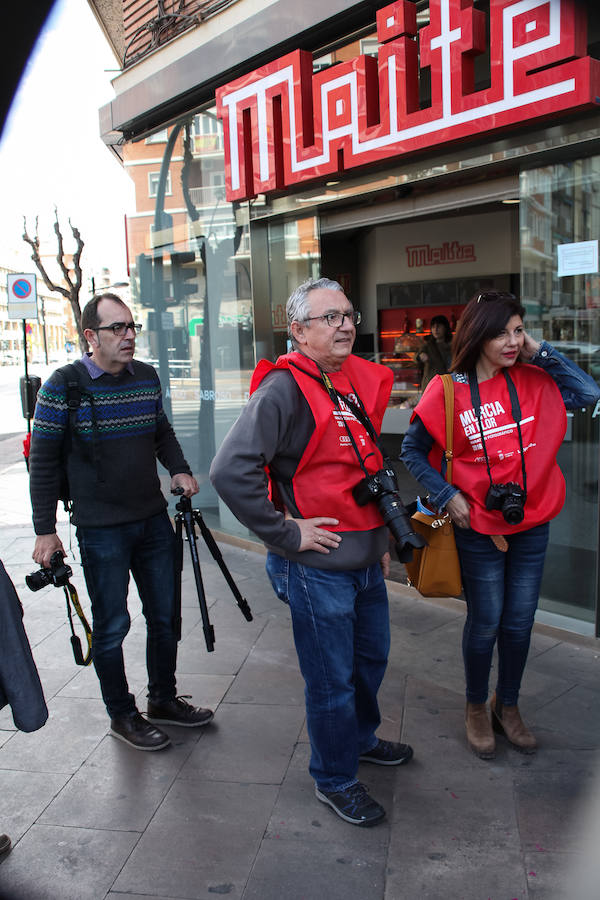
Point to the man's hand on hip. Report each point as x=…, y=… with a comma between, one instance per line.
x=45, y=546
x=314, y=537
x=187, y=482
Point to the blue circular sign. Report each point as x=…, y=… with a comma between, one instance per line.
x=21, y=288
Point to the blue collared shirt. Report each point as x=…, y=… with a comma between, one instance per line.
x=95, y=370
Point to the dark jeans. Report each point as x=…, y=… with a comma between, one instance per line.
x=342, y=636
x=502, y=591
x=146, y=548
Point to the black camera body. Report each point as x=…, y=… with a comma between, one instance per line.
x=57, y=574
x=382, y=488
x=510, y=499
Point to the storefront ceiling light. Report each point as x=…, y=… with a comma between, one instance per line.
x=511, y=200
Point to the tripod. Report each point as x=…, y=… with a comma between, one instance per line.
x=189, y=518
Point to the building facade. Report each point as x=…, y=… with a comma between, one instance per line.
x=417, y=152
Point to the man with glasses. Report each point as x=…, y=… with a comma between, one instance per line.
x=312, y=423
x=109, y=445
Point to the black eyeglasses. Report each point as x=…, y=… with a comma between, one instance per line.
x=120, y=328
x=490, y=296
x=335, y=319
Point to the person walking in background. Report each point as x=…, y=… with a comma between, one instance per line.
x=435, y=353
x=327, y=555
x=111, y=448
x=509, y=422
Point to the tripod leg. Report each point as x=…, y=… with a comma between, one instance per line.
x=218, y=558
x=209, y=634
x=178, y=566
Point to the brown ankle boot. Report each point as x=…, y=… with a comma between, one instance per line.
x=507, y=720
x=480, y=736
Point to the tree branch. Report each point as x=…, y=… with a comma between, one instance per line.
x=34, y=243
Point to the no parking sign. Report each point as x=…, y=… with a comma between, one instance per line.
x=22, y=296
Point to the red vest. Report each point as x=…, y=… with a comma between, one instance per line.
x=543, y=426
x=329, y=469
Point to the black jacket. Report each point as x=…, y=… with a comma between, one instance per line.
x=19, y=680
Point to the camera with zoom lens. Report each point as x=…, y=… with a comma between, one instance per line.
x=382, y=488
x=58, y=574
x=510, y=499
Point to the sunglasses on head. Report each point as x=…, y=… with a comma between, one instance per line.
x=489, y=296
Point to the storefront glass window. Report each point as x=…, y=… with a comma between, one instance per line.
x=191, y=288
x=560, y=206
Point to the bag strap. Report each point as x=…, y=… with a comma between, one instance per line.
x=449, y=411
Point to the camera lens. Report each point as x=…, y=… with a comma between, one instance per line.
x=513, y=511
x=37, y=580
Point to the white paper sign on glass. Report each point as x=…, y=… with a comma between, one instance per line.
x=577, y=259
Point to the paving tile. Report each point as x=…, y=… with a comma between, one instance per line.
x=427, y=694
x=550, y=809
x=74, y=728
x=419, y=617
x=249, y=743
x=295, y=871
x=447, y=844
x=52, y=863
x=572, y=719
x=232, y=645
x=571, y=661
x=23, y=797
x=553, y=876
x=442, y=758
x=271, y=673
x=202, y=841
x=118, y=788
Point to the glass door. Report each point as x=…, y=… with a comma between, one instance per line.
x=560, y=205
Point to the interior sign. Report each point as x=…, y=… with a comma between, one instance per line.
x=284, y=125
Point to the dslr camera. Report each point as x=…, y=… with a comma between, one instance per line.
x=382, y=488
x=58, y=574
x=510, y=499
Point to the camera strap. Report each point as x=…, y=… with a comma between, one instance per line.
x=72, y=599
x=516, y=414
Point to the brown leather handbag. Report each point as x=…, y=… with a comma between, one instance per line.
x=435, y=569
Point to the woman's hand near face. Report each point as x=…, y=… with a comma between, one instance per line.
x=459, y=510
x=530, y=347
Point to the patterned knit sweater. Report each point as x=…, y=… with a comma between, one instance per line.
x=111, y=468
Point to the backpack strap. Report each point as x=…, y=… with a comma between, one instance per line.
x=71, y=376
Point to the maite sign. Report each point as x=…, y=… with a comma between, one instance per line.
x=283, y=125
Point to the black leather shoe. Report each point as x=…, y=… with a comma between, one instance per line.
x=5, y=844
x=138, y=733
x=178, y=712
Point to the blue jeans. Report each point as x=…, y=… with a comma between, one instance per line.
x=502, y=591
x=146, y=548
x=342, y=636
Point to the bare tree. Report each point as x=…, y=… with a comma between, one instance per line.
x=72, y=277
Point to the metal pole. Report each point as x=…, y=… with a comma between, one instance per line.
x=26, y=372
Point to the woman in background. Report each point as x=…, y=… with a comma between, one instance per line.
x=435, y=353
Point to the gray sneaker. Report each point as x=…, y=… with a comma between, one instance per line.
x=354, y=805
x=388, y=753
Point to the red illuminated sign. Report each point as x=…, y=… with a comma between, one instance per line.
x=284, y=125
x=426, y=255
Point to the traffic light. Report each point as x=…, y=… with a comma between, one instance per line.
x=144, y=273
x=183, y=275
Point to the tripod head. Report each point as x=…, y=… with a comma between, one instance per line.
x=185, y=504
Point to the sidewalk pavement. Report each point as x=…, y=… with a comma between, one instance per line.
x=229, y=810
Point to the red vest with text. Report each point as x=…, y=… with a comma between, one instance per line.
x=329, y=469
x=543, y=426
